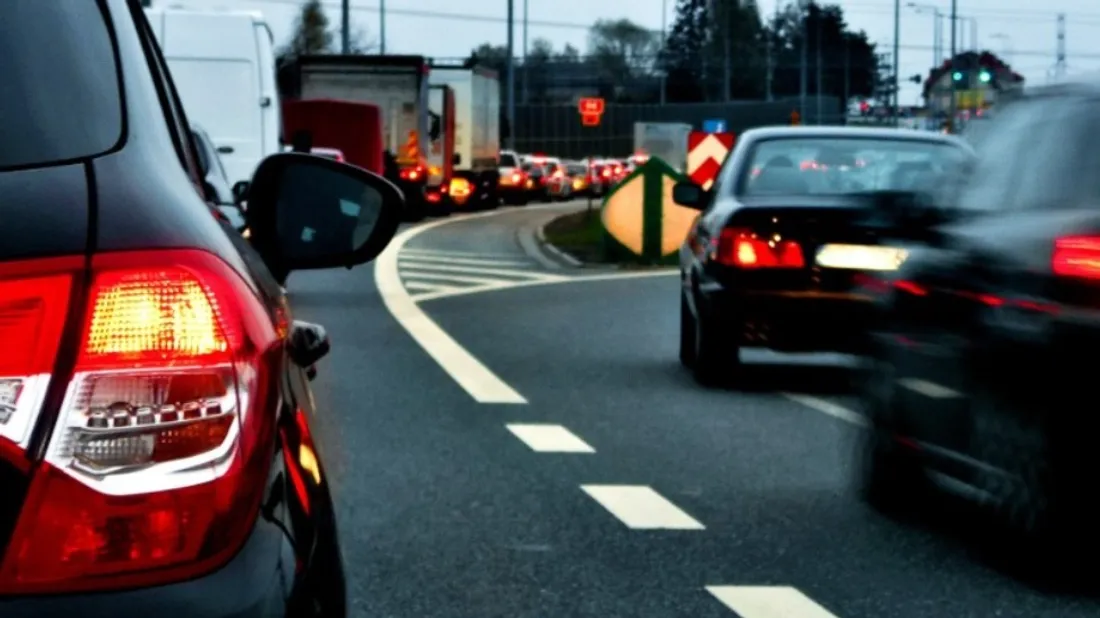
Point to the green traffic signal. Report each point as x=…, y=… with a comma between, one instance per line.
x=984, y=76
x=957, y=76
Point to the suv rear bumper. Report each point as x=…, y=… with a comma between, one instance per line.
x=257, y=583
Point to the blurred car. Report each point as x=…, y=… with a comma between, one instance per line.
x=559, y=184
x=981, y=375
x=578, y=176
x=513, y=179
x=536, y=168
x=329, y=153
x=156, y=454
x=599, y=177
x=776, y=256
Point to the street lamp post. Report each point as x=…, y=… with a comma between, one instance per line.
x=897, y=61
x=937, y=29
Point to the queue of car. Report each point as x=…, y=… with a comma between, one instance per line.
x=965, y=276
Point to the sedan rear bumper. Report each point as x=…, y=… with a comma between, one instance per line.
x=793, y=321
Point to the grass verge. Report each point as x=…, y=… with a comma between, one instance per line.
x=579, y=234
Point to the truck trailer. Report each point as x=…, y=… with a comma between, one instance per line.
x=477, y=133
x=398, y=85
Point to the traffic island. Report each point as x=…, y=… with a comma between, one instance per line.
x=637, y=225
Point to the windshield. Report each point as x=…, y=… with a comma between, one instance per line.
x=508, y=160
x=836, y=166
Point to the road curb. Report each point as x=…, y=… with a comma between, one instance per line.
x=532, y=239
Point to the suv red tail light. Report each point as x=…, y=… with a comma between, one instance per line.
x=746, y=249
x=160, y=452
x=1077, y=256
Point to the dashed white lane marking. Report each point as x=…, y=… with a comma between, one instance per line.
x=444, y=259
x=768, y=602
x=549, y=438
x=641, y=508
x=412, y=251
x=474, y=377
x=928, y=389
x=408, y=265
x=829, y=408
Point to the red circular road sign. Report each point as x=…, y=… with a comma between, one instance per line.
x=591, y=105
x=590, y=120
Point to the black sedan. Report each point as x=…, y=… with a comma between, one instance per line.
x=777, y=255
x=156, y=456
x=983, y=369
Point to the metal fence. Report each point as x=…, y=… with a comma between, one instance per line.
x=556, y=129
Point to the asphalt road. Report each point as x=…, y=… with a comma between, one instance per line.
x=668, y=500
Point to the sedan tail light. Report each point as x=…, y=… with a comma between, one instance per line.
x=746, y=249
x=1077, y=256
x=159, y=456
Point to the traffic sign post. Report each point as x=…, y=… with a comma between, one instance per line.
x=591, y=110
x=706, y=152
x=796, y=118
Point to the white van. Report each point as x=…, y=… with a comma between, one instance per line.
x=223, y=64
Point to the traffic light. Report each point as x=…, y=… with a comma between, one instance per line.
x=985, y=76
x=957, y=76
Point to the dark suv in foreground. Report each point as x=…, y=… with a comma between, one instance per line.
x=155, y=450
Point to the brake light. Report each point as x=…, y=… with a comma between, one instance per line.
x=159, y=457
x=1077, y=256
x=746, y=249
x=517, y=178
x=412, y=173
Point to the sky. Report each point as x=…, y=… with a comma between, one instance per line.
x=1023, y=32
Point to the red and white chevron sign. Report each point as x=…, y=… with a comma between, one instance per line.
x=706, y=152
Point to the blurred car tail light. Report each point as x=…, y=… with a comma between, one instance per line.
x=746, y=249
x=412, y=173
x=517, y=178
x=159, y=456
x=1077, y=256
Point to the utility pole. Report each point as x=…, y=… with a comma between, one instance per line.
x=664, y=41
x=1060, y=51
x=804, y=76
x=897, y=60
x=769, y=78
x=345, y=27
x=727, y=48
x=817, y=61
x=511, y=75
x=381, y=26
x=524, y=98
x=954, y=85
x=847, y=73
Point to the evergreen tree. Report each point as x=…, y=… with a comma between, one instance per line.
x=311, y=31
x=683, y=55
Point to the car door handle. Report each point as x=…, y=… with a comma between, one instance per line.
x=225, y=149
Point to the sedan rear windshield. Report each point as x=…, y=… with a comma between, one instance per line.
x=839, y=165
x=59, y=83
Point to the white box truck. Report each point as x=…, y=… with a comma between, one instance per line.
x=477, y=130
x=398, y=85
x=223, y=65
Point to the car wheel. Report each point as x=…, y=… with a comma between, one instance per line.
x=717, y=356
x=687, y=333
x=891, y=476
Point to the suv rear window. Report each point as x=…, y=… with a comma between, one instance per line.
x=507, y=160
x=59, y=94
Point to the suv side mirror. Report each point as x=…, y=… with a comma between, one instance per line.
x=690, y=195
x=240, y=192
x=306, y=212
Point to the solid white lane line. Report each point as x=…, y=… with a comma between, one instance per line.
x=768, y=602
x=406, y=256
x=641, y=508
x=929, y=389
x=549, y=438
x=455, y=254
x=827, y=407
x=424, y=286
x=478, y=270
x=408, y=273
x=564, y=279
x=473, y=376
